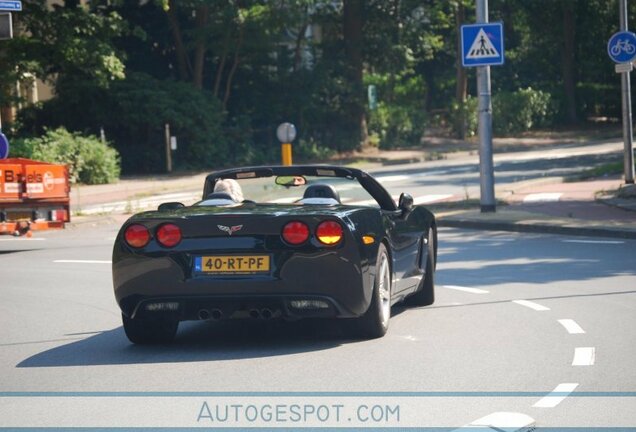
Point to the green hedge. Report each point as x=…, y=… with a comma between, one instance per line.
x=513, y=112
x=90, y=161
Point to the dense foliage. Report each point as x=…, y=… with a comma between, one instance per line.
x=89, y=160
x=225, y=73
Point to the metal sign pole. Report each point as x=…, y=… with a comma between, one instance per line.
x=627, y=107
x=486, y=168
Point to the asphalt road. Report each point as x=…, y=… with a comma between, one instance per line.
x=517, y=317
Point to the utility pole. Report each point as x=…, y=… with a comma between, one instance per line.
x=486, y=166
x=627, y=107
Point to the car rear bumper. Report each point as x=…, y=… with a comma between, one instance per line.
x=345, y=288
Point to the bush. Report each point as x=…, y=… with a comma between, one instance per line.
x=520, y=111
x=90, y=161
x=513, y=112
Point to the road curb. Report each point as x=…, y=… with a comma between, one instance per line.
x=536, y=228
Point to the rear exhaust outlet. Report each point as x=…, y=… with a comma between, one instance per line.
x=266, y=313
x=204, y=314
x=255, y=314
x=217, y=314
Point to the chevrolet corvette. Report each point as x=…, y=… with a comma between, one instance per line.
x=308, y=241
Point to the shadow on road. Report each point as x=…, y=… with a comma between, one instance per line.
x=198, y=341
x=499, y=258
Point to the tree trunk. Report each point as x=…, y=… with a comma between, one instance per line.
x=230, y=76
x=461, y=84
x=183, y=63
x=201, y=22
x=299, y=45
x=352, y=29
x=569, y=83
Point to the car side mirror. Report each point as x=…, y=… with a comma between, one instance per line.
x=170, y=206
x=405, y=203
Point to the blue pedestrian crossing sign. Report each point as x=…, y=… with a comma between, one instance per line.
x=482, y=44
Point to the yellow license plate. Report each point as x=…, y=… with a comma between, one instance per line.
x=233, y=264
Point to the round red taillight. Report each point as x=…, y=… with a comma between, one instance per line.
x=295, y=233
x=329, y=233
x=168, y=235
x=137, y=235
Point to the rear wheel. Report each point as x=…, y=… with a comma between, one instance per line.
x=425, y=294
x=375, y=322
x=150, y=331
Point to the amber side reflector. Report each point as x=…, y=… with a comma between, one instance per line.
x=367, y=240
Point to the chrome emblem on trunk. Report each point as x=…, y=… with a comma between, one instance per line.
x=230, y=230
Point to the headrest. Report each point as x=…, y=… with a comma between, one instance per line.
x=322, y=190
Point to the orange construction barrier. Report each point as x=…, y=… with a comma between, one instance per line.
x=34, y=195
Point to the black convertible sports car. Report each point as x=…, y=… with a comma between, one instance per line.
x=309, y=241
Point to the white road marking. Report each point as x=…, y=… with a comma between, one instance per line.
x=393, y=178
x=595, y=241
x=21, y=239
x=466, y=289
x=557, y=395
x=83, y=261
x=542, y=197
x=531, y=305
x=502, y=421
x=426, y=199
x=584, y=356
x=571, y=326
x=409, y=338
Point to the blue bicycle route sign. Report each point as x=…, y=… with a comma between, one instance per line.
x=482, y=44
x=622, y=47
x=15, y=6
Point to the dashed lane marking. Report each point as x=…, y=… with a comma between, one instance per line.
x=571, y=326
x=502, y=421
x=531, y=305
x=610, y=242
x=466, y=289
x=584, y=356
x=83, y=261
x=557, y=395
x=542, y=197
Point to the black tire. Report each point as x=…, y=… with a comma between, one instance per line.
x=375, y=321
x=425, y=294
x=150, y=331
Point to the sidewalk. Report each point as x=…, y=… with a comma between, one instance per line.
x=547, y=205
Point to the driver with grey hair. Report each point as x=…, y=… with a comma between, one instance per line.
x=230, y=187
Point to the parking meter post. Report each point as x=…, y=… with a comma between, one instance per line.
x=627, y=107
x=486, y=166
